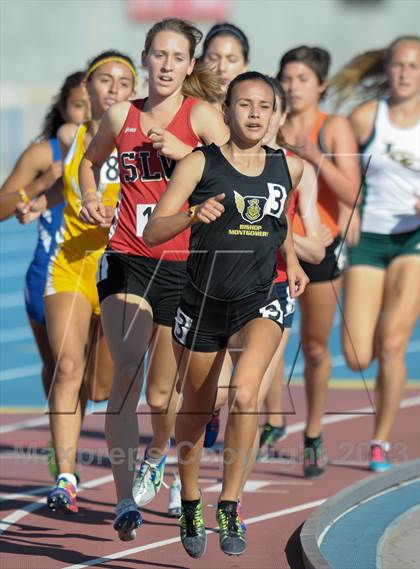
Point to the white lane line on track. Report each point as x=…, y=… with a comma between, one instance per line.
x=17, y=515
x=26, y=424
x=22, y=496
x=294, y=428
x=33, y=370
x=250, y=486
x=170, y=541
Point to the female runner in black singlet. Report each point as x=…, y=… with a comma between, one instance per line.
x=238, y=195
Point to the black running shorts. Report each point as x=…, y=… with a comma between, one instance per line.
x=204, y=324
x=160, y=282
x=330, y=267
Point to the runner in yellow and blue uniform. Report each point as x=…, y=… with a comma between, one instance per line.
x=71, y=301
x=37, y=169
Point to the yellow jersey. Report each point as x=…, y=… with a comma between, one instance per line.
x=77, y=239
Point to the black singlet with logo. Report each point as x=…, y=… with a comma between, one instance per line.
x=235, y=256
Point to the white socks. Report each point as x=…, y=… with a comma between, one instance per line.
x=69, y=477
x=385, y=445
x=152, y=459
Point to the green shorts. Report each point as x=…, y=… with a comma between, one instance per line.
x=379, y=250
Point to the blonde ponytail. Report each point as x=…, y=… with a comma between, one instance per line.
x=203, y=84
x=365, y=76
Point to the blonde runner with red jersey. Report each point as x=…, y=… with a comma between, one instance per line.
x=144, y=174
x=140, y=287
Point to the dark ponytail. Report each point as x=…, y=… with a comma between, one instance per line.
x=55, y=115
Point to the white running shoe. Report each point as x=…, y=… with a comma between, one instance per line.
x=174, y=504
x=148, y=480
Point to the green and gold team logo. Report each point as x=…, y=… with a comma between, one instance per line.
x=403, y=157
x=251, y=208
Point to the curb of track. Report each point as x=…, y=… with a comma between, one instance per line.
x=324, y=516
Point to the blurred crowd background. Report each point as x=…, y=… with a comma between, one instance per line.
x=42, y=41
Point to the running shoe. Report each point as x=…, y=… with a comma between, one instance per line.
x=212, y=430
x=239, y=510
x=231, y=533
x=63, y=497
x=174, y=504
x=270, y=435
x=127, y=519
x=379, y=457
x=192, y=529
x=148, y=480
x=314, y=458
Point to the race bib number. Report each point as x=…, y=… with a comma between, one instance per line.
x=340, y=253
x=182, y=326
x=109, y=172
x=144, y=211
x=272, y=311
x=290, y=303
x=276, y=197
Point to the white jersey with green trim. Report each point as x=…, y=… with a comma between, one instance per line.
x=392, y=181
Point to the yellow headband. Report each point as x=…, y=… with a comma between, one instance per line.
x=116, y=59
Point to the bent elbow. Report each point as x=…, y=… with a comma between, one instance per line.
x=318, y=255
x=354, y=197
x=150, y=240
x=5, y=214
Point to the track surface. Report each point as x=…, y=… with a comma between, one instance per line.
x=277, y=498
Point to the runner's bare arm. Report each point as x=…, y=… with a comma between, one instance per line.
x=342, y=171
x=362, y=120
x=168, y=219
x=31, y=175
x=32, y=210
x=295, y=274
x=295, y=166
x=65, y=136
x=287, y=248
x=101, y=146
x=208, y=124
x=309, y=248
